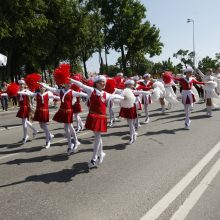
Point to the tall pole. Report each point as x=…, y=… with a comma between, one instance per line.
x=194, y=51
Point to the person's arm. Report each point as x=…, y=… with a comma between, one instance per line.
x=52, y=96
x=28, y=93
x=85, y=88
x=197, y=82
x=51, y=89
x=79, y=94
x=114, y=96
x=177, y=78
x=141, y=92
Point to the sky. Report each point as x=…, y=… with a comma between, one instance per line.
x=170, y=16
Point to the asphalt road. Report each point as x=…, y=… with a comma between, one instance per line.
x=160, y=176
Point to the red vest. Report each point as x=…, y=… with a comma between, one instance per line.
x=97, y=104
x=41, y=104
x=24, y=102
x=67, y=104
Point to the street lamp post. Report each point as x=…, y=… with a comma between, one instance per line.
x=194, y=52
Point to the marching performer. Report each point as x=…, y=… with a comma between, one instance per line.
x=77, y=108
x=188, y=97
x=146, y=85
x=169, y=95
x=24, y=110
x=42, y=112
x=67, y=97
x=210, y=91
x=129, y=109
x=96, y=119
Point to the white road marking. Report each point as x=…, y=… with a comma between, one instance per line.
x=52, y=143
x=195, y=195
x=163, y=204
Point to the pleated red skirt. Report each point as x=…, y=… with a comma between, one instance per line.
x=77, y=108
x=96, y=122
x=129, y=113
x=64, y=116
x=41, y=115
x=23, y=112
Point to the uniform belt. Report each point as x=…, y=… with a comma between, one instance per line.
x=91, y=112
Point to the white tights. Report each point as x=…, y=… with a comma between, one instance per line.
x=98, y=146
x=70, y=131
x=79, y=123
x=111, y=114
x=187, y=109
x=44, y=127
x=131, y=124
x=146, y=110
x=26, y=124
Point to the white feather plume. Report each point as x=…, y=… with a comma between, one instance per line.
x=129, y=100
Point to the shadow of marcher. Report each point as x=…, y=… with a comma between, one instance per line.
x=62, y=176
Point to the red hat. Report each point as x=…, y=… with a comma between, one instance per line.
x=12, y=89
x=32, y=81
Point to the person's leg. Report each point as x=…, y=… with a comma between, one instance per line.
x=96, y=146
x=2, y=103
x=73, y=133
x=35, y=131
x=162, y=103
x=6, y=103
x=68, y=136
x=209, y=106
x=24, y=126
x=132, y=130
x=187, y=108
x=101, y=152
x=147, y=119
x=47, y=133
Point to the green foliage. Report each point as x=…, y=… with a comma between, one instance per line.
x=208, y=62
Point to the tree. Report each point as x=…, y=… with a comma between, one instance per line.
x=126, y=31
x=185, y=57
x=207, y=62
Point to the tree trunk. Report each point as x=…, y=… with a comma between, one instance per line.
x=123, y=60
x=85, y=68
x=106, y=60
x=100, y=61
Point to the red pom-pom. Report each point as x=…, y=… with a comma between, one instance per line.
x=32, y=81
x=118, y=81
x=110, y=85
x=167, y=77
x=12, y=89
x=65, y=67
x=62, y=74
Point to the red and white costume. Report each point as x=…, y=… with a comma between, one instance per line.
x=65, y=113
x=96, y=119
x=146, y=98
x=42, y=113
x=23, y=112
x=188, y=97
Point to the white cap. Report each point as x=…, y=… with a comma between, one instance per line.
x=120, y=74
x=188, y=69
x=136, y=77
x=129, y=81
x=21, y=81
x=99, y=78
x=146, y=75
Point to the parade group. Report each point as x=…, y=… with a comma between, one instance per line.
x=133, y=95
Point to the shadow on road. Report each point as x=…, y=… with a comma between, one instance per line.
x=62, y=176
